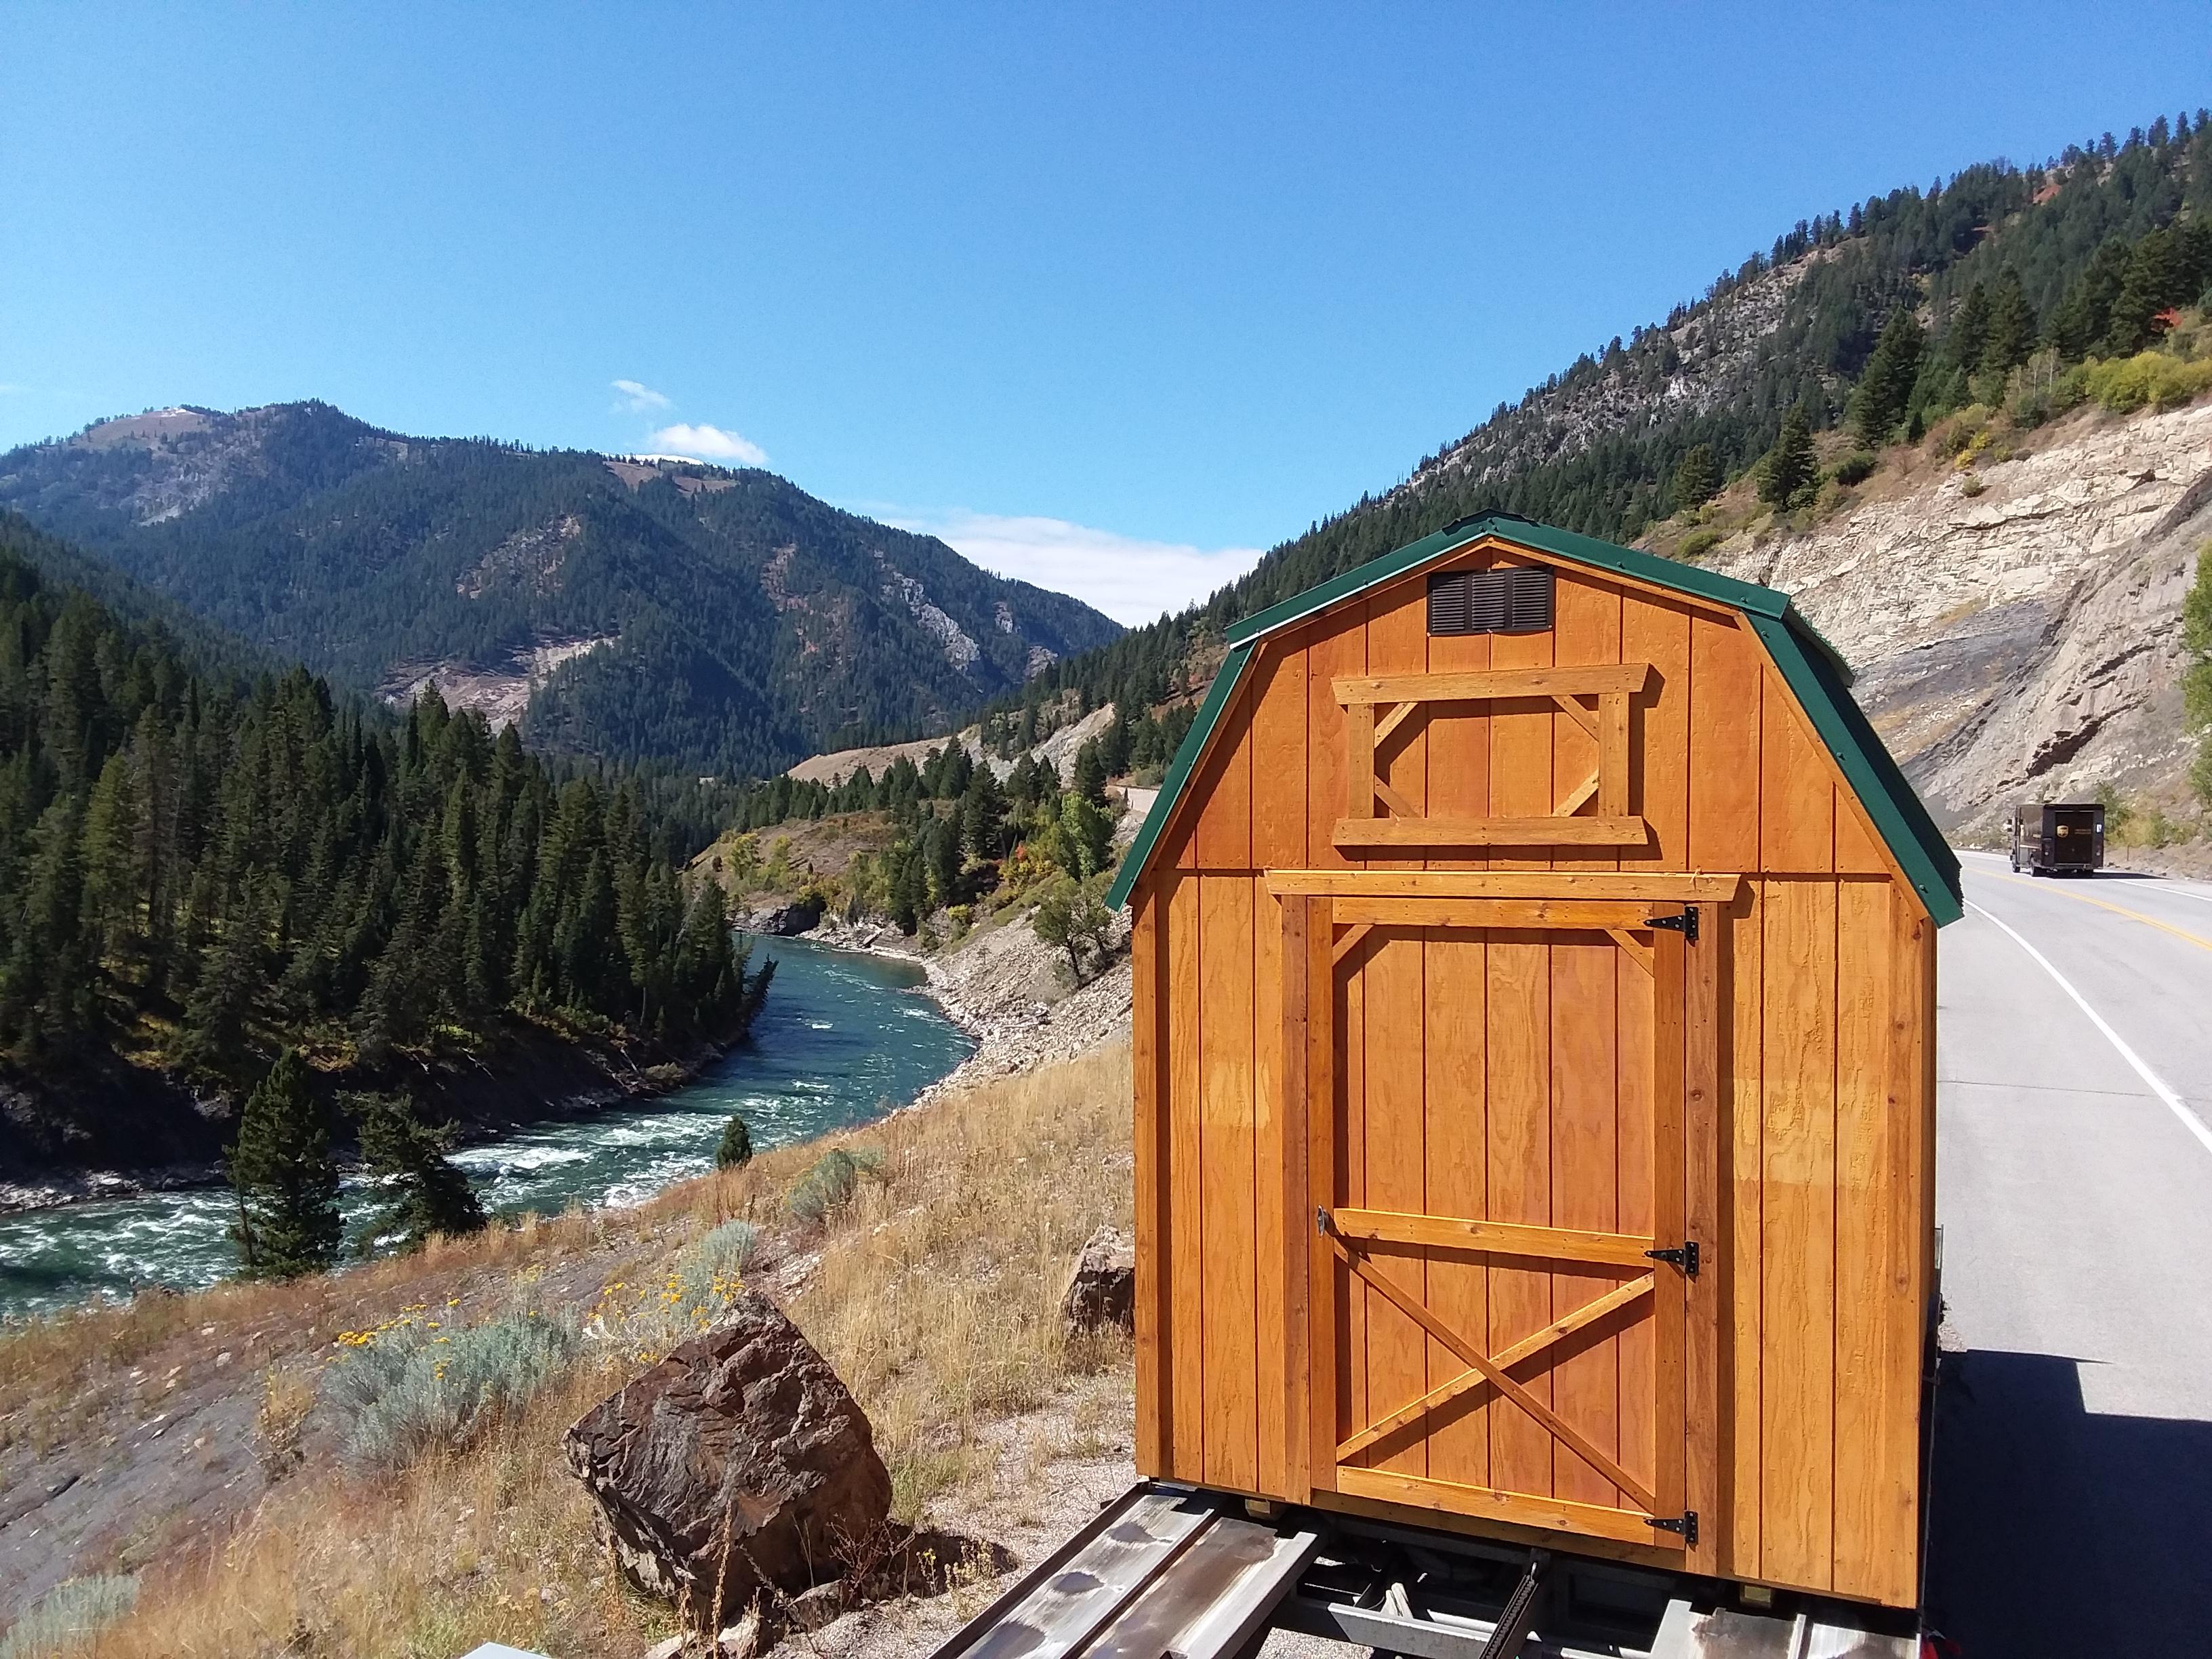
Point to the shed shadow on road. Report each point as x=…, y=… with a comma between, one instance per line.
x=2055, y=1530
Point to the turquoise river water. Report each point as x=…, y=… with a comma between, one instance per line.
x=842, y=1037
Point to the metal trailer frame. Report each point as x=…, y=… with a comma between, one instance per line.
x=1176, y=1571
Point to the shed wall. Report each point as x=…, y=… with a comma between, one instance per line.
x=1825, y=1050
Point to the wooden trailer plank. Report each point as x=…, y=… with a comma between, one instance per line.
x=1226, y=1258
x=1652, y=886
x=1186, y=1459
x=1797, y=1381
x=1155, y=1217
x=1515, y=1508
x=1444, y=1233
x=1456, y=1105
x=1352, y=690
x=1585, y=1135
x=1539, y=830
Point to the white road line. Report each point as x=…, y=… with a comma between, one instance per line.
x=2174, y=1103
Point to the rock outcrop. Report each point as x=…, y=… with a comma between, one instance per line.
x=2023, y=640
x=1102, y=1289
x=737, y=1467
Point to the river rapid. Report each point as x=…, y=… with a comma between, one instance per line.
x=842, y=1038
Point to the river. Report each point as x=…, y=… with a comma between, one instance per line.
x=841, y=1038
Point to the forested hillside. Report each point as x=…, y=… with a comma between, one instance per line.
x=713, y=620
x=195, y=872
x=1992, y=286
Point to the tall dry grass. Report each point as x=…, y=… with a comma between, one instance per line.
x=934, y=1292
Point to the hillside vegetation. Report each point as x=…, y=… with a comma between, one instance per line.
x=1994, y=287
x=715, y=620
x=195, y=873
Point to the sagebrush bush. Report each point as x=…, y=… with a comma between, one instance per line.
x=67, y=1616
x=828, y=1186
x=412, y=1387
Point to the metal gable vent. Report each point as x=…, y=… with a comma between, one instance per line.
x=1514, y=599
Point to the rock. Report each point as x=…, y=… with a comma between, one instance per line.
x=779, y=920
x=1102, y=1290
x=738, y=1466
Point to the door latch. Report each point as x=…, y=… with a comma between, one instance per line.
x=1685, y=924
x=1685, y=1258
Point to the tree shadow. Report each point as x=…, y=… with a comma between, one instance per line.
x=2056, y=1530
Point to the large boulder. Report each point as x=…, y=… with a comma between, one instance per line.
x=782, y=920
x=738, y=1466
x=1102, y=1289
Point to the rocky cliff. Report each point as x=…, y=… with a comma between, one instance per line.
x=2016, y=627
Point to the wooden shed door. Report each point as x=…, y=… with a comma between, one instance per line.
x=1493, y=1335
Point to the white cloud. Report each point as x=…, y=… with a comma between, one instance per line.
x=709, y=443
x=1130, y=579
x=637, y=398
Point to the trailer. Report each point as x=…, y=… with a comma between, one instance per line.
x=2058, y=838
x=1533, y=1050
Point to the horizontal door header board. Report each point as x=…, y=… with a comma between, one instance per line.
x=1599, y=916
x=1541, y=831
x=1657, y=886
x=1481, y=686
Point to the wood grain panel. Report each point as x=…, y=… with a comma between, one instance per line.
x=1726, y=674
x=1223, y=837
x=1186, y=1453
x=1587, y=631
x=1396, y=1175
x=1797, y=1378
x=1324, y=1185
x=1398, y=643
x=1455, y=1106
x=1294, y=1201
x=1354, y=1409
x=1858, y=850
x=1459, y=747
x=1659, y=634
x=1278, y=760
x=1272, y=1113
x=1519, y=1167
x=1522, y=782
x=1341, y=648
x=1585, y=1135
x=1155, y=1218
x=1634, y=994
x=1705, y=1105
x=1796, y=818
x=1227, y=1182
x=1877, y=1355
x=1743, y=1147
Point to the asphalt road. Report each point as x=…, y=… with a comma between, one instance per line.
x=2071, y=1497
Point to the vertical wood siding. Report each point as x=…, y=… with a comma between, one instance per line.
x=1454, y=1056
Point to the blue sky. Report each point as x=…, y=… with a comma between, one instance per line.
x=1112, y=296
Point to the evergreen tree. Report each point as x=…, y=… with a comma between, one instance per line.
x=735, y=1150
x=1085, y=837
x=287, y=1183
x=1886, y=387
x=1790, y=469
x=1090, y=774
x=422, y=1191
x=2011, y=337
x=1698, y=479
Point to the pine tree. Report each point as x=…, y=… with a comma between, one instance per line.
x=735, y=1150
x=1698, y=479
x=288, y=1222
x=1090, y=774
x=422, y=1191
x=2011, y=337
x=1886, y=388
x=1790, y=469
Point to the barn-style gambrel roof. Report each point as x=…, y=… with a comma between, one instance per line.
x=1815, y=673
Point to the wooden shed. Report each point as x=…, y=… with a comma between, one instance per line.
x=1534, y=1050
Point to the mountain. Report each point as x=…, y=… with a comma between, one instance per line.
x=638, y=609
x=2008, y=279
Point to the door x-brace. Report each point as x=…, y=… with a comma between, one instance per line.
x=1493, y=1369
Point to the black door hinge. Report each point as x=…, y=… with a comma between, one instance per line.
x=1685, y=1258
x=1685, y=924
x=1688, y=1526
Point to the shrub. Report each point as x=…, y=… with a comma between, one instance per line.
x=728, y=1250
x=736, y=1148
x=1971, y=486
x=2148, y=377
x=828, y=1186
x=1855, y=467
x=69, y=1613
x=411, y=1388
x=1699, y=541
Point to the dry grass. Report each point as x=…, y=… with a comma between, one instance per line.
x=934, y=1293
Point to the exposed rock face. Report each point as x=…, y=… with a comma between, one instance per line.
x=779, y=920
x=2024, y=642
x=738, y=1466
x=1102, y=1290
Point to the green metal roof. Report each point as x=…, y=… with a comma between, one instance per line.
x=1813, y=668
